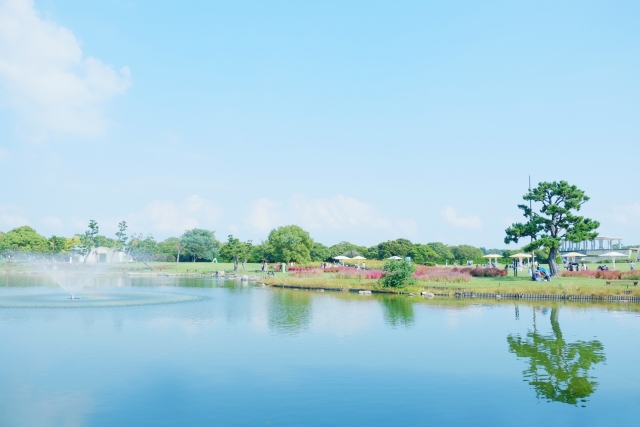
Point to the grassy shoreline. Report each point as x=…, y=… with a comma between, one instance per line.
x=502, y=285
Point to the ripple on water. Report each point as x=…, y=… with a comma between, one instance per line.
x=93, y=299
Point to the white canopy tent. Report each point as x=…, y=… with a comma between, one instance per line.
x=573, y=255
x=613, y=256
x=520, y=256
x=495, y=256
x=394, y=257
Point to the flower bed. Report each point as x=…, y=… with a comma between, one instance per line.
x=594, y=274
x=352, y=273
x=439, y=274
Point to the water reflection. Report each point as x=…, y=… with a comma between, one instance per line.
x=398, y=310
x=558, y=370
x=290, y=310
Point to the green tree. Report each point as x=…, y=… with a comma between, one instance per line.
x=421, y=254
x=371, y=253
x=143, y=250
x=89, y=238
x=555, y=220
x=170, y=248
x=236, y=251
x=121, y=238
x=466, y=252
x=290, y=243
x=398, y=247
x=347, y=249
x=397, y=274
x=443, y=251
x=105, y=242
x=201, y=244
x=57, y=244
x=320, y=252
x=23, y=239
x=558, y=371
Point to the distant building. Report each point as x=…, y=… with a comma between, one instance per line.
x=598, y=246
x=100, y=254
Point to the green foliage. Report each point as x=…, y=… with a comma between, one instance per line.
x=260, y=253
x=290, y=243
x=443, y=251
x=371, y=253
x=143, y=249
x=201, y=244
x=555, y=220
x=169, y=248
x=24, y=239
x=121, y=236
x=236, y=251
x=421, y=254
x=466, y=252
x=558, y=371
x=398, y=247
x=106, y=242
x=397, y=274
x=343, y=248
x=88, y=239
x=320, y=252
x=57, y=244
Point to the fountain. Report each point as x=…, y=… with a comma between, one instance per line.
x=87, y=285
x=72, y=278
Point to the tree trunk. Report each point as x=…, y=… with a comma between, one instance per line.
x=178, y=257
x=553, y=266
x=235, y=263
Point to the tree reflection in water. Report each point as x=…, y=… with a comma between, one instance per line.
x=398, y=310
x=558, y=371
x=290, y=310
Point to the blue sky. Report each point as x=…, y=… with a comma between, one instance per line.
x=360, y=121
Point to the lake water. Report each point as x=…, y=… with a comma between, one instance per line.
x=201, y=352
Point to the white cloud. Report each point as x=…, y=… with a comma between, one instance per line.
x=627, y=214
x=11, y=217
x=264, y=214
x=46, y=78
x=335, y=213
x=471, y=222
x=170, y=217
x=338, y=212
x=52, y=221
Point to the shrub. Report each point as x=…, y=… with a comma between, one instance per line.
x=397, y=274
x=594, y=274
x=630, y=275
x=483, y=272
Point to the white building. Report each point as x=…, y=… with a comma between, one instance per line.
x=104, y=254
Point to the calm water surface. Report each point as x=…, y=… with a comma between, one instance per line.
x=200, y=352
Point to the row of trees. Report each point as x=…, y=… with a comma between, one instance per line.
x=287, y=243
